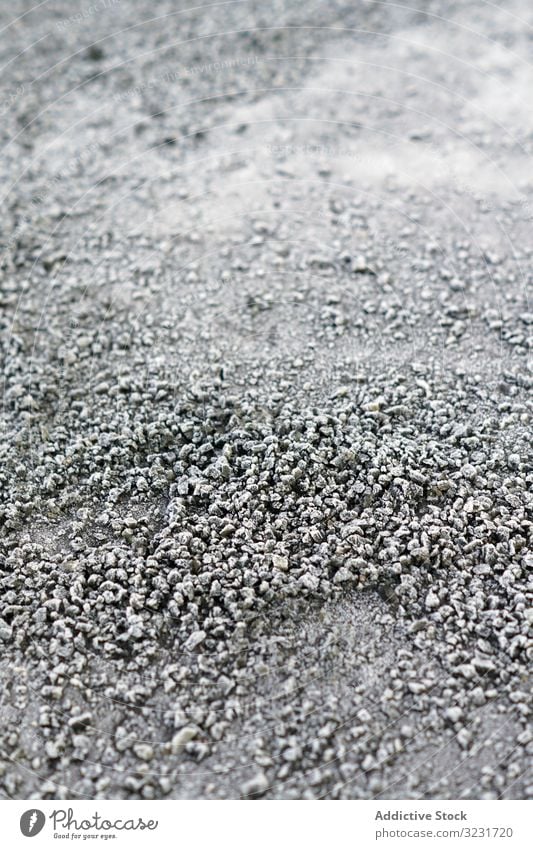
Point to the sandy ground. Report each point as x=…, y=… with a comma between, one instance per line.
x=266, y=443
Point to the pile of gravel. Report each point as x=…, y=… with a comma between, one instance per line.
x=174, y=556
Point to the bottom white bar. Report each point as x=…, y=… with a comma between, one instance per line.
x=237, y=825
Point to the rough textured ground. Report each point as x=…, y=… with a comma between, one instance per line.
x=266, y=436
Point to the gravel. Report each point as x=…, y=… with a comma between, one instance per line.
x=266, y=455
